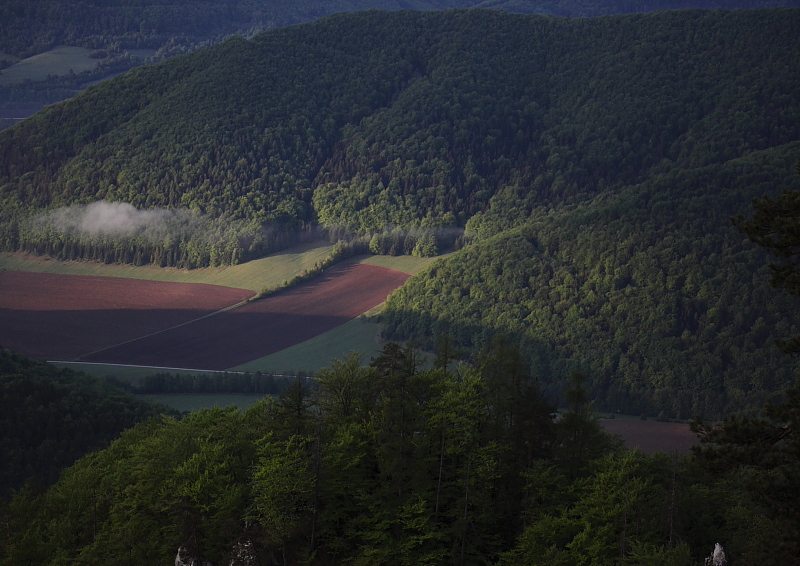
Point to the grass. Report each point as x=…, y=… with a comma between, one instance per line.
x=256, y=275
x=57, y=61
x=359, y=334
x=196, y=401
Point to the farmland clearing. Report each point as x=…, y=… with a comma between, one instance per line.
x=66, y=316
x=265, y=326
x=652, y=436
x=58, y=61
x=270, y=272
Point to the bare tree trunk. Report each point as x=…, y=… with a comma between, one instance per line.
x=466, y=506
x=439, y=481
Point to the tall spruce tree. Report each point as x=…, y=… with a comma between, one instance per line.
x=775, y=226
x=765, y=452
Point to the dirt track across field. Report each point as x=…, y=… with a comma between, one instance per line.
x=265, y=326
x=652, y=436
x=65, y=316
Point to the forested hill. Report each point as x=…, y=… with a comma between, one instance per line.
x=28, y=27
x=410, y=119
x=616, y=147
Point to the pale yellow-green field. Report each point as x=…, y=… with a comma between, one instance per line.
x=268, y=272
x=57, y=61
x=256, y=275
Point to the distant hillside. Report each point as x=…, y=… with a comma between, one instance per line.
x=121, y=34
x=593, y=163
x=28, y=27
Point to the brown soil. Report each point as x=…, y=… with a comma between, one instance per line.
x=265, y=326
x=652, y=436
x=65, y=316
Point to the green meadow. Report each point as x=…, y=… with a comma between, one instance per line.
x=58, y=61
x=267, y=272
x=405, y=263
x=360, y=335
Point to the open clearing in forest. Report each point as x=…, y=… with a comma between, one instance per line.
x=652, y=436
x=256, y=275
x=58, y=61
x=66, y=316
x=265, y=326
x=133, y=321
x=358, y=335
x=268, y=272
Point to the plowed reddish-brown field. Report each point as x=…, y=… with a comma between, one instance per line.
x=266, y=326
x=136, y=322
x=652, y=436
x=66, y=316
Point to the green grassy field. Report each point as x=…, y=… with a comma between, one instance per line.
x=358, y=334
x=57, y=61
x=256, y=275
x=405, y=263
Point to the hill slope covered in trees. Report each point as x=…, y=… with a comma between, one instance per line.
x=121, y=34
x=390, y=464
x=593, y=162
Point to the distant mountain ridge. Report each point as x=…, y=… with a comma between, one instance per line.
x=399, y=126
x=28, y=27
x=122, y=34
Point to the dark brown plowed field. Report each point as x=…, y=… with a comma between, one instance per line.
x=652, y=436
x=266, y=326
x=66, y=316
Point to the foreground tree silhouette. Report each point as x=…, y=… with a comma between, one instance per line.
x=765, y=452
x=775, y=226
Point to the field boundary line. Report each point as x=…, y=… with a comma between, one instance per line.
x=216, y=312
x=149, y=367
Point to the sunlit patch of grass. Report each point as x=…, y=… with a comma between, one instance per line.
x=359, y=334
x=256, y=275
x=405, y=263
x=58, y=61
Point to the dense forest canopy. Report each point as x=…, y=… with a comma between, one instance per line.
x=387, y=463
x=50, y=417
x=590, y=165
x=29, y=27
x=123, y=34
